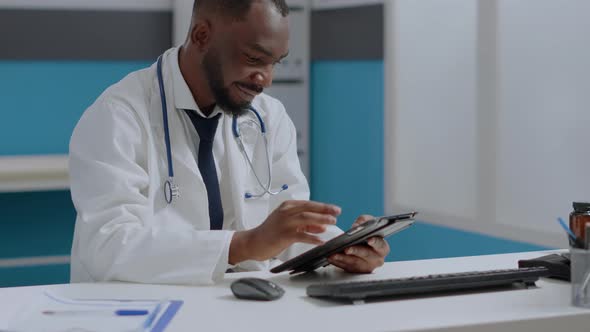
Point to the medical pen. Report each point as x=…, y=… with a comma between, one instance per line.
x=123, y=312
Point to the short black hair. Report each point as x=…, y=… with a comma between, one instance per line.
x=236, y=9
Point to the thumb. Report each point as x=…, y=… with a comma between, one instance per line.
x=362, y=219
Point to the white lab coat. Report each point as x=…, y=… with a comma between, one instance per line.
x=125, y=230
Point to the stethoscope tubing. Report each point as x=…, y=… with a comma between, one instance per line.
x=171, y=190
x=165, y=118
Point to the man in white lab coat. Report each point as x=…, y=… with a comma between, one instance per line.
x=129, y=228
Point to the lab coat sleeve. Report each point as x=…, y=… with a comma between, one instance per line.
x=118, y=236
x=287, y=170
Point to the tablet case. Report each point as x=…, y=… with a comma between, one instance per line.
x=318, y=256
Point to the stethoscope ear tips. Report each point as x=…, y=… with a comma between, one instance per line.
x=285, y=187
x=247, y=195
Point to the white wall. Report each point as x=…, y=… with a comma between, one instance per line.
x=182, y=14
x=486, y=107
x=330, y=4
x=434, y=135
x=88, y=4
x=544, y=110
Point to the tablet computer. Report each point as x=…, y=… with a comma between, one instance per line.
x=318, y=256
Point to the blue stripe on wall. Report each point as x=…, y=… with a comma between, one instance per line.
x=347, y=136
x=41, y=101
x=427, y=241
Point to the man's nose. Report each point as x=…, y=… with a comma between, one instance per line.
x=263, y=77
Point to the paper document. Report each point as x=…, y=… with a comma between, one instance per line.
x=52, y=313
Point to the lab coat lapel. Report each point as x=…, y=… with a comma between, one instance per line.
x=193, y=194
x=180, y=145
x=249, y=212
x=249, y=136
x=237, y=171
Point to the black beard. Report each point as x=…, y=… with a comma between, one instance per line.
x=213, y=74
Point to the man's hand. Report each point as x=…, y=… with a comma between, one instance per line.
x=292, y=221
x=362, y=258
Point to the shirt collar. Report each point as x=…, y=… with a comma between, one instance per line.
x=183, y=97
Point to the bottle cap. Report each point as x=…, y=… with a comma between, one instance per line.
x=581, y=206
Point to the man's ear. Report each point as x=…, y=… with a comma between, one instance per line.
x=201, y=34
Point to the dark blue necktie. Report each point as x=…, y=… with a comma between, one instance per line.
x=206, y=129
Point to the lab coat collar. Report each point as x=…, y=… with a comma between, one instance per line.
x=183, y=97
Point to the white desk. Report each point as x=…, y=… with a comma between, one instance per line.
x=546, y=308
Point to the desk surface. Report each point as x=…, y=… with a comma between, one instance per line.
x=213, y=308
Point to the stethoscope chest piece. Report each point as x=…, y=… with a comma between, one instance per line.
x=171, y=191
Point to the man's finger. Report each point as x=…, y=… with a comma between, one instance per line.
x=308, y=238
x=362, y=219
x=351, y=263
x=367, y=253
x=305, y=222
x=294, y=207
x=312, y=228
x=379, y=245
x=364, y=252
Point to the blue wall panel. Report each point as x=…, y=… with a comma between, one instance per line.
x=32, y=225
x=347, y=136
x=41, y=101
x=347, y=162
x=35, y=275
x=36, y=224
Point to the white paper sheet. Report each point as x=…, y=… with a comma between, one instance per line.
x=86, y=315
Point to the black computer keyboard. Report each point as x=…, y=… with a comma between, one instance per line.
x=434, y=283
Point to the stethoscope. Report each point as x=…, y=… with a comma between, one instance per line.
x=172, y=191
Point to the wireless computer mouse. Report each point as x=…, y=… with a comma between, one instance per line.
x=256, y=289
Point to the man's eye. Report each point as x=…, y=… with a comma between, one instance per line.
x=252, y=60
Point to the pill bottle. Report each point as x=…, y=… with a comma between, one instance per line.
x=579, y=218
